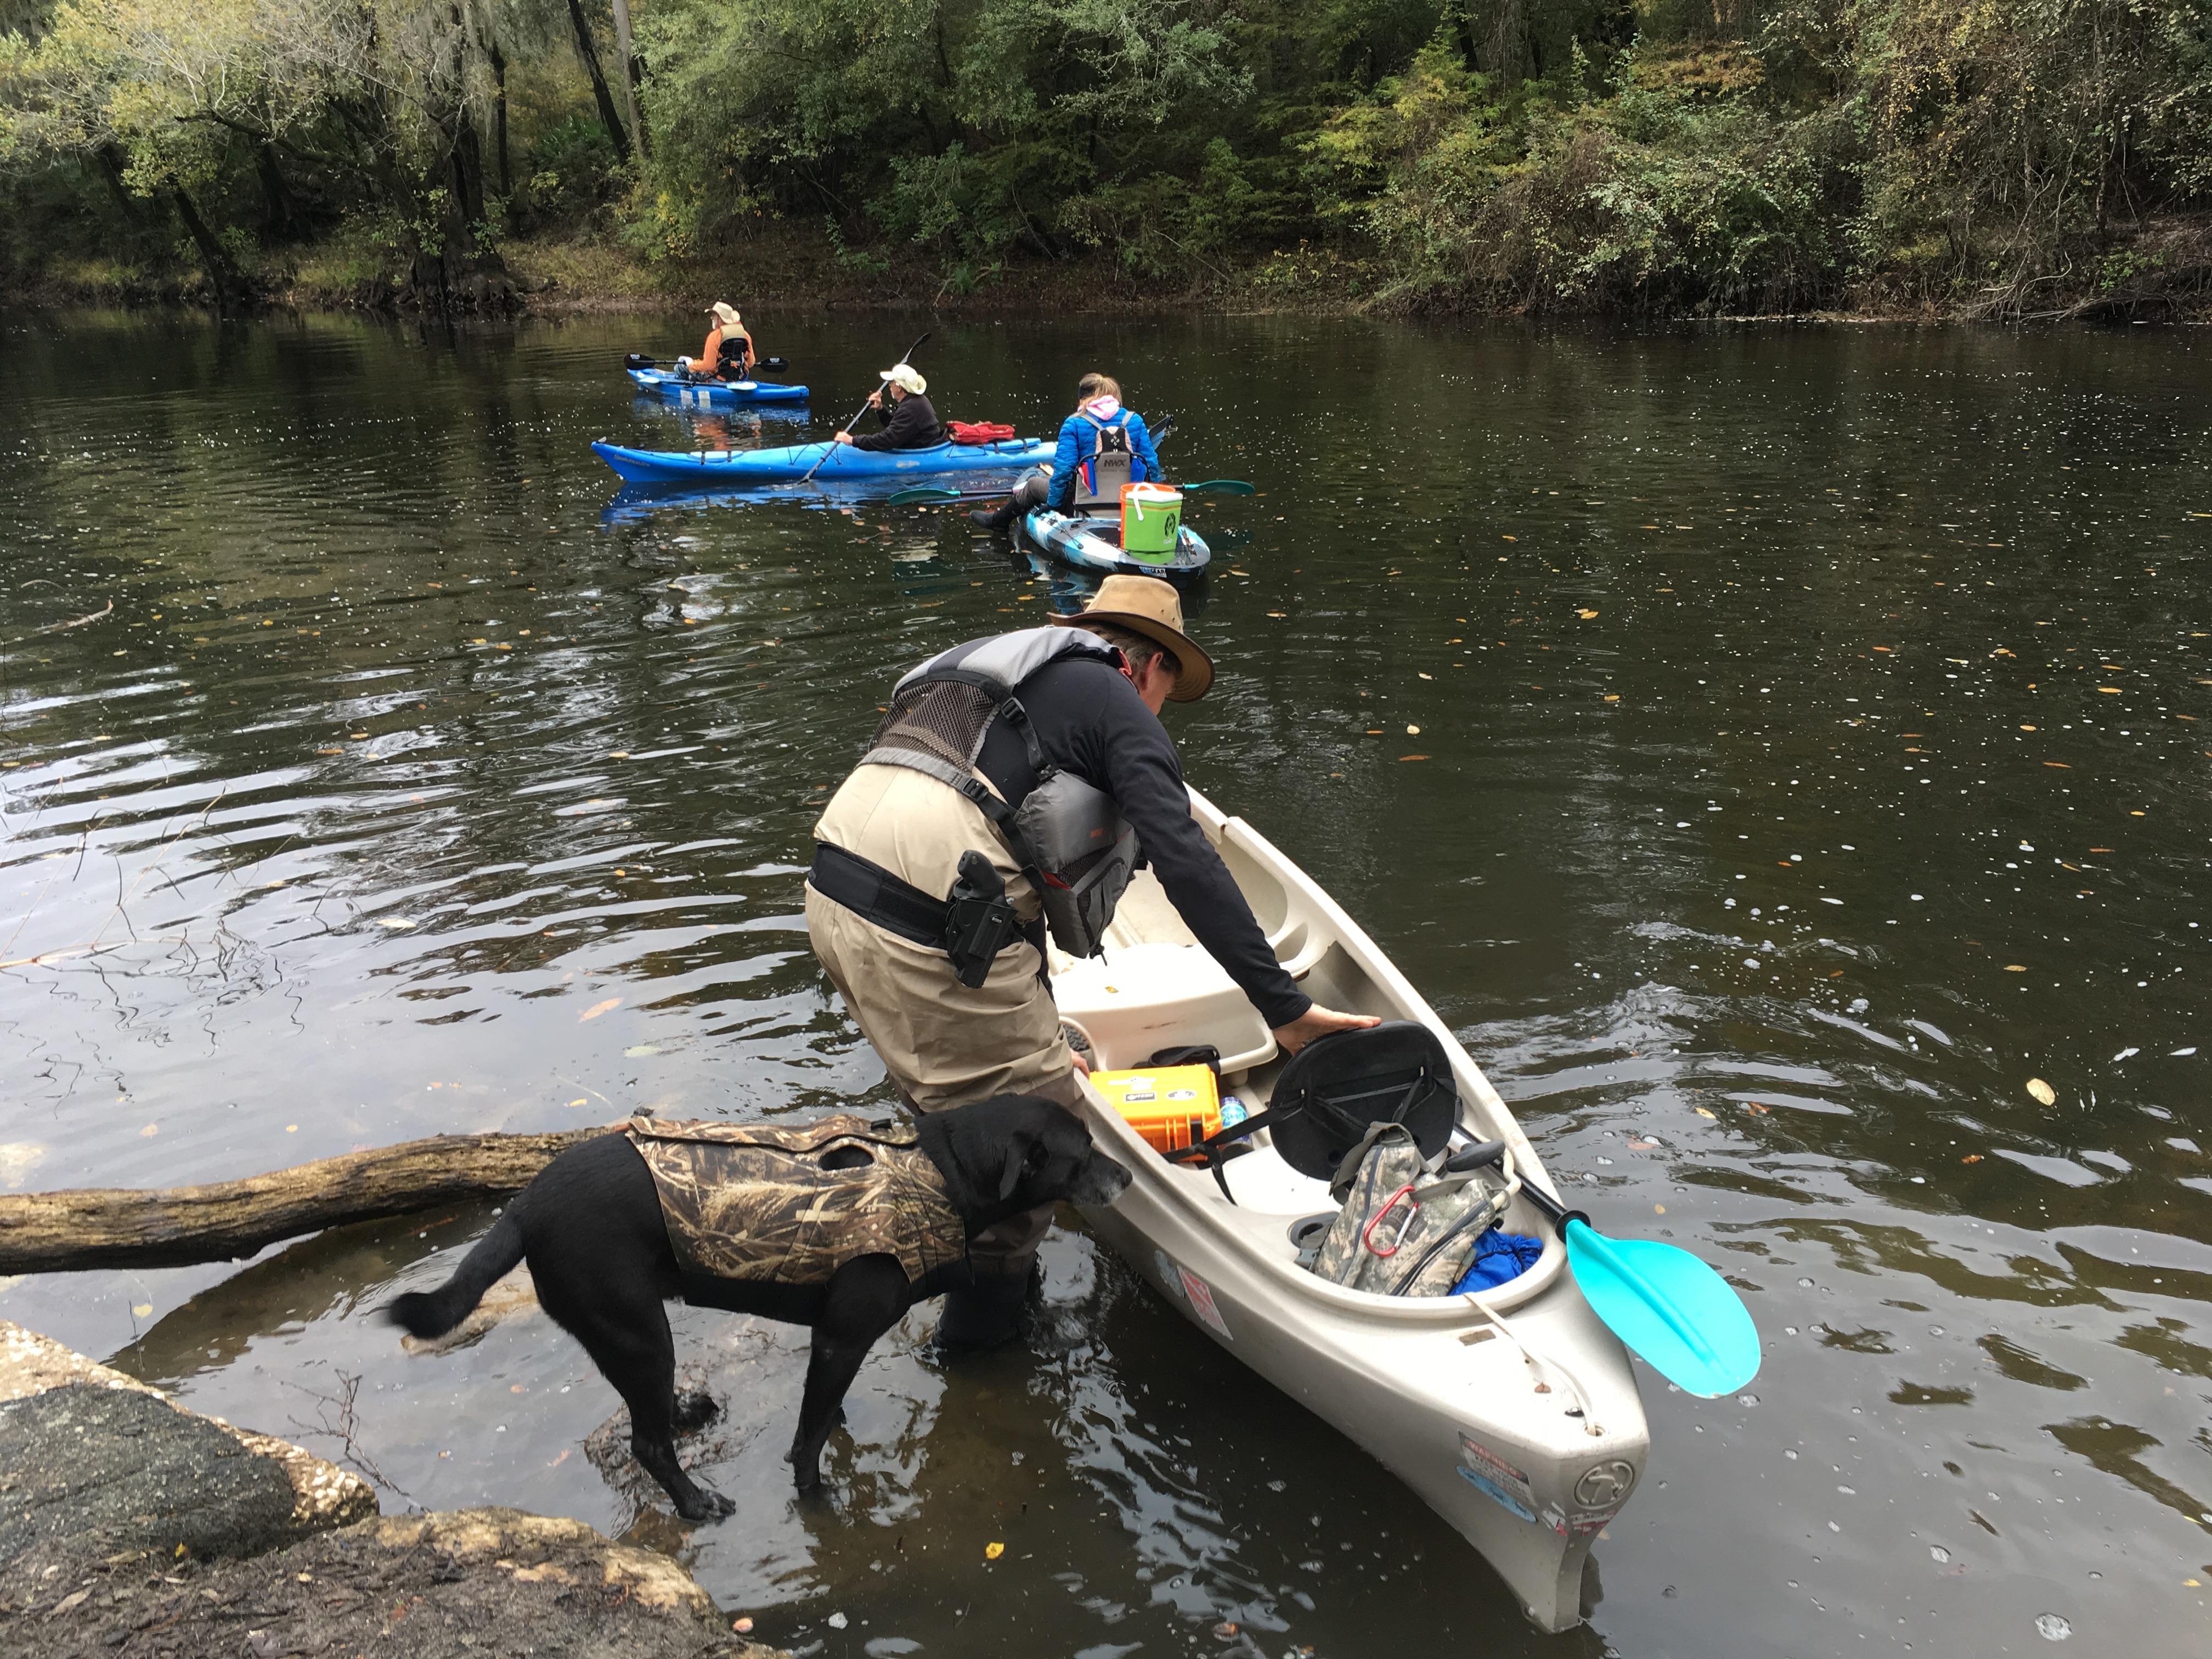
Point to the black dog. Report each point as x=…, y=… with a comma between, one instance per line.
x=592, y=1227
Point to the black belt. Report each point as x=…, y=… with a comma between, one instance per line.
x=897, y=906
x=876, y=894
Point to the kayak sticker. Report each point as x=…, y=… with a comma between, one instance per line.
x=1603, y=1486
x=1201, y=1304
x=1496, y=1493
x=1170, y=1275
x=1499, y=1473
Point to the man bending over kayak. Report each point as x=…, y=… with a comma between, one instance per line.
x=909, y=422
x=728, y=353
x=1100, y=432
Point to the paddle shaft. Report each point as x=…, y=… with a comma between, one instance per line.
x=830, y=448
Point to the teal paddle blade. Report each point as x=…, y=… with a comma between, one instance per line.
x=924, y=492
x=1218, y=487
x=1680, y=1315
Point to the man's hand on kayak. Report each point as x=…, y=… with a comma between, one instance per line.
x=1319, y=1022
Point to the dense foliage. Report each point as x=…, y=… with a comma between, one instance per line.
x=2004, y=157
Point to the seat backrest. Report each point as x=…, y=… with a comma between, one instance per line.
x=1337, y=1086
x=1099, y=479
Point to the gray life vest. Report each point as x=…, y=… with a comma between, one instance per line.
x=1100, y=475
x=1069, y=838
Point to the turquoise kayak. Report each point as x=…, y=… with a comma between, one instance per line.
x=840, y=463
x=1095, y=543
x=686, y=393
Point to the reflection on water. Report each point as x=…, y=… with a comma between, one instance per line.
x=1782, y=756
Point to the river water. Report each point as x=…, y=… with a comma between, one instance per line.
x=1806, y=827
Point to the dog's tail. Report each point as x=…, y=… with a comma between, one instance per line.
x=427, y=1314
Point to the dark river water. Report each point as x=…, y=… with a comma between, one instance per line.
x=1807, y=829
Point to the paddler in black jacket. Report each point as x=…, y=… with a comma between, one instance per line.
x=1093, y=690
x=909, y=422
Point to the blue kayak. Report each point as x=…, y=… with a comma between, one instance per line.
x=682, y=391
x=736, y=468
x=1093, y=542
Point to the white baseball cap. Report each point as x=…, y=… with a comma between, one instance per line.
x=905, y=376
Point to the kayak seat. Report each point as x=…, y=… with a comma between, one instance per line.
x=1337, y=1087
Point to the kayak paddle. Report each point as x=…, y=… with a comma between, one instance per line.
x=939, y=493
x=829, y=448
x=1673, y=1309
x=771, y=365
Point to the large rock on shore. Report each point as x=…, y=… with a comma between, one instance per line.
x=131, y=1527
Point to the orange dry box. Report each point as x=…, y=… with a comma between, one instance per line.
x=1171, y=1106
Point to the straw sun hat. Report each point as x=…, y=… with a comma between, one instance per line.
x=1149, y=606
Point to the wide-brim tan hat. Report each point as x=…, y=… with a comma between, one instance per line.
x=904, y=375
x=1147, y=605
x=723, y=312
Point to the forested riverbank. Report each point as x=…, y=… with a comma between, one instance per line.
x=2006, y=159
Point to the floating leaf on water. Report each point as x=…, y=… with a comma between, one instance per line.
x=2179, y=1053
x=1701, y=1111
x=1971, y=1158
x=2015, y=966
x=992, y=1552
x=639, y=1051
x=598, y=1008
x=838, y=1621
x=1586, y=615
x=2043, y=1092
x=393, y=921
x=1413, y=730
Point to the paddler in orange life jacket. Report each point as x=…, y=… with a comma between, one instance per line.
x=1099, y=443
x=1012, y=786
x=728, y=353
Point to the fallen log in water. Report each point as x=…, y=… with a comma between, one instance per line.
x=170, y=1227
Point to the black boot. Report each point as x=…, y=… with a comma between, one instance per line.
x=994, y=518
x=987, y=1314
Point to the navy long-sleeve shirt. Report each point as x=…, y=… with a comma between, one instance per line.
x=1092, y=723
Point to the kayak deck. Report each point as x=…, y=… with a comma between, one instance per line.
x=1093, y=542
x=830, y=463
x=686, y=393
x=1524, y=1431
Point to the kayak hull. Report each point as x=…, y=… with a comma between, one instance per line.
x=1095, y=543
x=1432, y=1388
x=839, y=462
x=688, y=393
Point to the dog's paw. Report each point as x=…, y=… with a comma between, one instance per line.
x=707, y=1504
x=695, y=1410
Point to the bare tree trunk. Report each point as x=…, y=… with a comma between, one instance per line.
x=110, y=167
x=632, y=74
x=71, y=1232
x=590, y=54
x=282, y=217
x=223, y=271
x=499, y=108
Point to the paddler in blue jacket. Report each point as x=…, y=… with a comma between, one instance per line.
x=1100, y=432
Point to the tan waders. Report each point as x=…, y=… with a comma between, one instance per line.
x=944, y=1044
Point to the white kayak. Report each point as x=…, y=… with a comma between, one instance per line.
x=1513, y=1413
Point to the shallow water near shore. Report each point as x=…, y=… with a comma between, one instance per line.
x=1781, y=756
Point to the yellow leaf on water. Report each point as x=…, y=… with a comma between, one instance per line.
x=143, y=1308
x=1701, y=1111
x=577, y=1102
x=1585, y=615
x=2042, y=1090
x=598, y=1008
x=992, y=1552
x=1413, y=730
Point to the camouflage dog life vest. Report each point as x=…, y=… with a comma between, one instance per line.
x=752, y=1201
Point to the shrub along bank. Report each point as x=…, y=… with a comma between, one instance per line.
x=2005, y=159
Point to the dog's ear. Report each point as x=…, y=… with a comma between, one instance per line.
x=1021, y=1151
